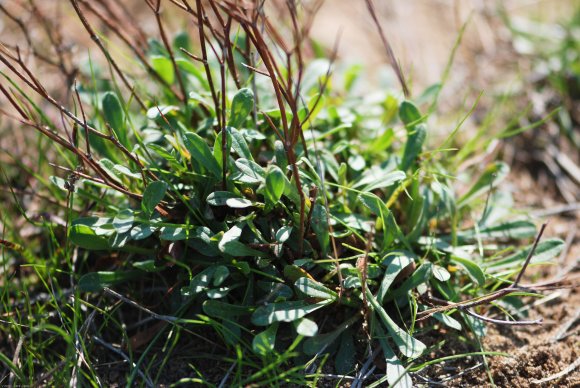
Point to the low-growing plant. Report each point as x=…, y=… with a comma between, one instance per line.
x=251, y=189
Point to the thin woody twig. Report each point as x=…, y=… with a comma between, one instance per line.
x=390, y=54
x=530, y=255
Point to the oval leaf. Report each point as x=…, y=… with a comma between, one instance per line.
x=242, y=105
x=263, y=343
x=84, y=237
x=153, y=194
x=199, y=150
x=314, y=289
x=115, y=116
x=284, y=311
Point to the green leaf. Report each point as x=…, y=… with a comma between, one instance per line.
x=242, y=106
x=123, y=221
x=508, y=230
x=263, y=343
x=448, y=321
x=396, y=261
x=306, y=327
x=377, y=178
x=181, y=40
x=115, y=116
x=473, y=270
x=319, y=224
x=239, y=144
x=275, y=184
x=96, y=281
x=545, y=251
x=420, y=276
x=140, y=232
x=283, y=234
x=84, y=237
x=230, y=245
x=217, y=309
x=409, y=113
x=147, y=266
x=102, y=226
x=221, y=274
x=407, y=345
x=173, y=233
x=153, y=194
x=346, y=356
x=491, y=177
x=414, y=146
x=396, y=373
x=164, y=67
x=200, y=151
x=285, y=311
x=441, y=273
x=226, y=198
x=199, y=282
x=314, y=289
x=249, y=171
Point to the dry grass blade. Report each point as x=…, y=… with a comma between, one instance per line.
x=389, y=50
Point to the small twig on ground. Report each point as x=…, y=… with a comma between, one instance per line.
x=558, y=375
x=126, y=358
x=161, y=317
x=561, y=333
x=501, y=321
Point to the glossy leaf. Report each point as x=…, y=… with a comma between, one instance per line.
x=473, y=270
x=406, y=344
x=319, y=224
x=263, y=343
x=226, y=198
x=84, y=237
x=242, y=106
x=396, y=262
x=164, y=67
x=115, y=116
x=250, y=171
x=275, y=184
x=314, y=289
x=123, y=221
x=200, y=151
x=306, y=327
x=409, y=113
x=285, y=311
x=173, y=233
x=152, y=196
